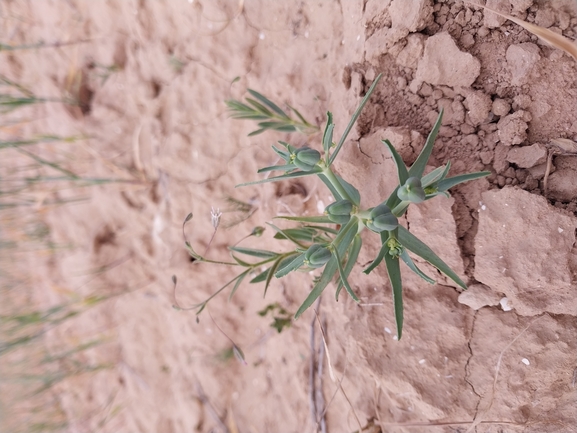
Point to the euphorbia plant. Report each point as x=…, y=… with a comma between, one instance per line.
x=318, y=244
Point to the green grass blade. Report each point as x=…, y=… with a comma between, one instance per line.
x=394, y=271
x=356, y=115
x=414, y=244
x=409, y=262
x=263, y=254
x=450, y=182
x=268, y=102
x=418, y=168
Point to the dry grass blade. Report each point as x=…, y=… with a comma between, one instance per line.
x=546, y=35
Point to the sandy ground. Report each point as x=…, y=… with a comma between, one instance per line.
x=152, y=77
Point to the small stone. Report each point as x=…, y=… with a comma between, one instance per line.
x=512, y=129
x=478, y=105
x=486, y=157
x=562, y=185
x=501, y=107
x=527, y=156
x=538, y=171
x=443, y=63
x=500, y=161
x=521, y=59
x=478, y=296
x=410, y=55
x=492, y=20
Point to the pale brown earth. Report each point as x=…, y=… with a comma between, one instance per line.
x=159, y=118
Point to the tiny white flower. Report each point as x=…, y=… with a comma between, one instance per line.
x=215, y=217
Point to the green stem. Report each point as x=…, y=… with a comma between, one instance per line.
x=399, y=209
x=336, y=184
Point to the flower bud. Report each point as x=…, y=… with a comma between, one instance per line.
x=340, y=211
x=381, y=219
x=412, y=191
x=306, y=158
x=317, y=255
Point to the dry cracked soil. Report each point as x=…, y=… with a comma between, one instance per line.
x=150, y=80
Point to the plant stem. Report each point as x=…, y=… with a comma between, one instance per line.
x=328, y=173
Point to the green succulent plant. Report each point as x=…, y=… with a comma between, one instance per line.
x=318, y=244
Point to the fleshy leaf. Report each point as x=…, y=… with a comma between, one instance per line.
x=328, y=134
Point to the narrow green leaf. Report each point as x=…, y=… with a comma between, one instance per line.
x=418, y=167
x=257, y=132
x=328, y=273
x=328, y=134
x=321, y=219
x=277, y=126
x=394, y=271
x=238, y=282
x=402, y=171
x=436, y=175
x=343, y=277
x=351, y=260
x=409, y=262
x=260, y=277
x=294, y=264
x=315, y=170
x=414, y=244
x=351, y=190
x=241, y=262
x=268, y=102
x=273, y=269
x=384, y=249
x=284, y=155
x=356, y=115
x=299, y=115
x=300, y=234
x=323, y=229
x=263, y=254
x=261, y=108
x=450, y=182
x=287, y=235
x=341, y=244
x=286, y=167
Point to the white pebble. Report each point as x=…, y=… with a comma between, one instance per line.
x=422, y=361
x=387, y=330
x=320, y=206
x=505, y=304
x=525, y=361
x=560, y=230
